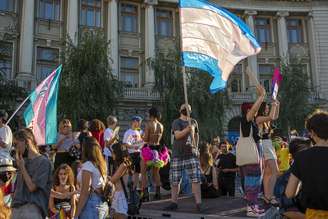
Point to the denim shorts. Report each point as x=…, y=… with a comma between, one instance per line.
x=95, y=208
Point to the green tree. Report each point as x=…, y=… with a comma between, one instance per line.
x=10, y=92
x=294, y=95
x=88, y=88
x=208, y=109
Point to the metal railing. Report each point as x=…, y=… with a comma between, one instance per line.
x=140, y=93
x=240, y=97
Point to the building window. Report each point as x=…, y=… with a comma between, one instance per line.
x=130, y=71
x=7, y=5
x=266, y=72
x=236, y=79
x=129, y=18
x=91, y=13
x=49, y=9
x=164, y=22
x=47, y=61
x=295, y=30
x=6, y=53
x=263, y=30
x=235, y=85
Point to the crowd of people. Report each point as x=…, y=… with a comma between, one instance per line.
x=93, y=173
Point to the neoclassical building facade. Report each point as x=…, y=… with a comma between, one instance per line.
x=32, y=31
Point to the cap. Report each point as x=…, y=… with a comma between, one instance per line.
x=136, y=118
x=184, y=106
x=6, y=162
x=3, y=114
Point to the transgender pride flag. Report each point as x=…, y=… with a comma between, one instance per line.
x=41, y=114
x=214, y=40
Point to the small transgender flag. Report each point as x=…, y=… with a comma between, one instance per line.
x=41, y=113
x=214, y=40
x=276, y=80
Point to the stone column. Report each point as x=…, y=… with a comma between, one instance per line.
x=113, y=36
x=149, y=41
x=26, y=39
x=282, y=34
x=313, y=52
x=73, y=20
x=252, y=60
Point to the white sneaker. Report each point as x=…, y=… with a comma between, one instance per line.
x=253, y=211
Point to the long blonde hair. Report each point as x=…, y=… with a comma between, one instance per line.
x=62, y=124
x=91, y=151
x=206, y=158
x=5, y=212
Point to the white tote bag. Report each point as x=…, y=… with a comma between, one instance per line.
x=246, y=150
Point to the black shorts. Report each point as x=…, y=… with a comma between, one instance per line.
x=135, y=157
x=158, y=148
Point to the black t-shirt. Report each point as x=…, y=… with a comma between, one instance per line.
x=227, y=161
x=246, y=129
x=183, y=147
x=310, y=167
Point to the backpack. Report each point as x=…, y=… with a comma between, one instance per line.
x=134, y=202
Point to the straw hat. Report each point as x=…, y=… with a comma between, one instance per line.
x=6, y=162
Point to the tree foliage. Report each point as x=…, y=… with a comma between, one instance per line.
x=207, y=109
x=294, y=94
x=10, y=92
x=88, y=88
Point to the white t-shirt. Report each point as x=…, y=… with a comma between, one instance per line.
x=133, y=137
x=97, y=180
x=108, y=135
x=6, y=136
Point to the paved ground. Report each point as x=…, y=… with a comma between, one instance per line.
x=222, y=207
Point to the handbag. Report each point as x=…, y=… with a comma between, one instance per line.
x=246, y=150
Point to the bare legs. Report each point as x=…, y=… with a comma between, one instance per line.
x=195, y=190
x=270, y=177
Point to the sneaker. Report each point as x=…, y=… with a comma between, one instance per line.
x=171, y=207
x=253, y=211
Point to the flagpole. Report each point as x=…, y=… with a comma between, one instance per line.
x=184, y=78
x=19, y=107
x=185, y=91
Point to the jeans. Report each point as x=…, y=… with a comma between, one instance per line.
x=95, y=208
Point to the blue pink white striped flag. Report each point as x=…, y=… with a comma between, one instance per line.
x=214, y=40
x=276, y=80
x=41, y=113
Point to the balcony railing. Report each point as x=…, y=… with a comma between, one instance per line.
x=240, y=97
x=140, y=94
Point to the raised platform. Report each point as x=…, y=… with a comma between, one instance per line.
x=223, y=207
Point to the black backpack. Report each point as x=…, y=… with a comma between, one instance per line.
x=134, y=202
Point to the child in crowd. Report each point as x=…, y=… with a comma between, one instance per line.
x=209, y=187
x=110, y=136
x=122, y=164
x=63, y=199
x=133, y=139
x=283, y=157
x=227, y=170
x=7, y=177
